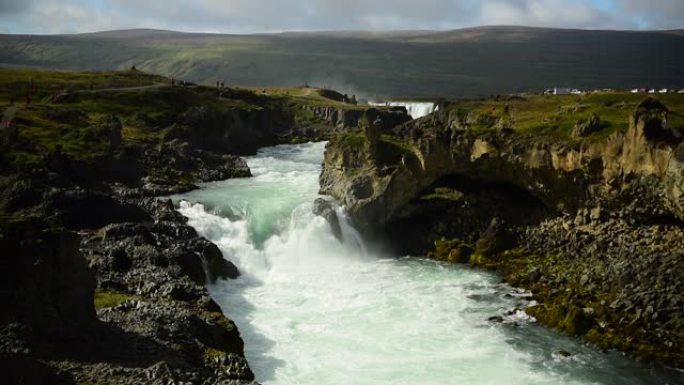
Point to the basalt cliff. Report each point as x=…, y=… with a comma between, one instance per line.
x=594, y=228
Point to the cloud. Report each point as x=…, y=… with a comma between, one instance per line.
x=659, y=14
x=11, y=7
x=549, y=13
x=248, y=16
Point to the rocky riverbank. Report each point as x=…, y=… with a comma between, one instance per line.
x=592, y=226
x=116, y=305
x=104, y=285
x=101, y=282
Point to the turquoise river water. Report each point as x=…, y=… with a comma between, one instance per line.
x=313, y=310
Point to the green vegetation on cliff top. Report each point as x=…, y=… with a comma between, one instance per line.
x=65, y=109
x=557, y=115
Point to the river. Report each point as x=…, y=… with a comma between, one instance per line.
x=313, y=310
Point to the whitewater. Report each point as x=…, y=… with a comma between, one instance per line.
x=415, y=109
x=313, y=310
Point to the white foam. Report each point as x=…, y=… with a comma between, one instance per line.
x=415, y=109
x=313, y=310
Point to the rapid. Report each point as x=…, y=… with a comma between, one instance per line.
x=313, y=310
x=415, y=109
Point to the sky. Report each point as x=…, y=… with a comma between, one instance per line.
x=254, y=16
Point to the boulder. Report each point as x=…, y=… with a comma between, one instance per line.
x=44, y=279
x=650, y=122
x=325, y=209
x=110, y=126
x=495, y=239
x=82, y=209
x=586, y=127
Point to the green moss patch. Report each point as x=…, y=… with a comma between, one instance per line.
x=105, y=299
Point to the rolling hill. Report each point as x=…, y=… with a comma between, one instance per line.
x=467, y=62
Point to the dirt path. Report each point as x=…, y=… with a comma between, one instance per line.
x=136, y=88
x=8, y=115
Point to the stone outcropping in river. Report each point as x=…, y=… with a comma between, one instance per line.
x=597, y=222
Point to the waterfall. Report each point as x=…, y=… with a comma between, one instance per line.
x=415, y=109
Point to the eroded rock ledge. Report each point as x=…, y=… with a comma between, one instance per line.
x=593, y=227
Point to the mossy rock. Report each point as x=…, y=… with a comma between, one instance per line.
x=451, y=250
x=496, y=239
x=105, y=299
x=572, y=320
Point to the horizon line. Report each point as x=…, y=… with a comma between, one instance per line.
x=349, y=31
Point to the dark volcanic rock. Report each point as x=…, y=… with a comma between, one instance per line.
x=325, y=209
x=233, y=131
x=495, y=239
x=45, y=281
x=154, y=320
x=83, y=209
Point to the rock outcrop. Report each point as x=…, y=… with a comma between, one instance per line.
x=234, y=131
x=562, y=176
x=46, y=284
x=346, y=118
x=325, y=209
x=115, y=304
x=586, y=127
x=592, y=227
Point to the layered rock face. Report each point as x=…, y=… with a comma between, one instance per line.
x=564, y=176
x=346, y=118
x=237, y=131
x=592, y=227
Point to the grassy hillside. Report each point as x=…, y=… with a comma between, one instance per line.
x=72, y=109
x=469, y=62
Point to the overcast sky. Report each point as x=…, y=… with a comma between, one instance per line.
x=249, y=16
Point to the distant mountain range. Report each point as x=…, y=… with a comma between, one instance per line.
x=466, y=62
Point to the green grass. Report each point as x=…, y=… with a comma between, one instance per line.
x=71, y=120
x=16, y=83
x=391, y=149
x=557, y=115
x=303, y=116
x=42, y=125
x=301, y=95
x=353, y=140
